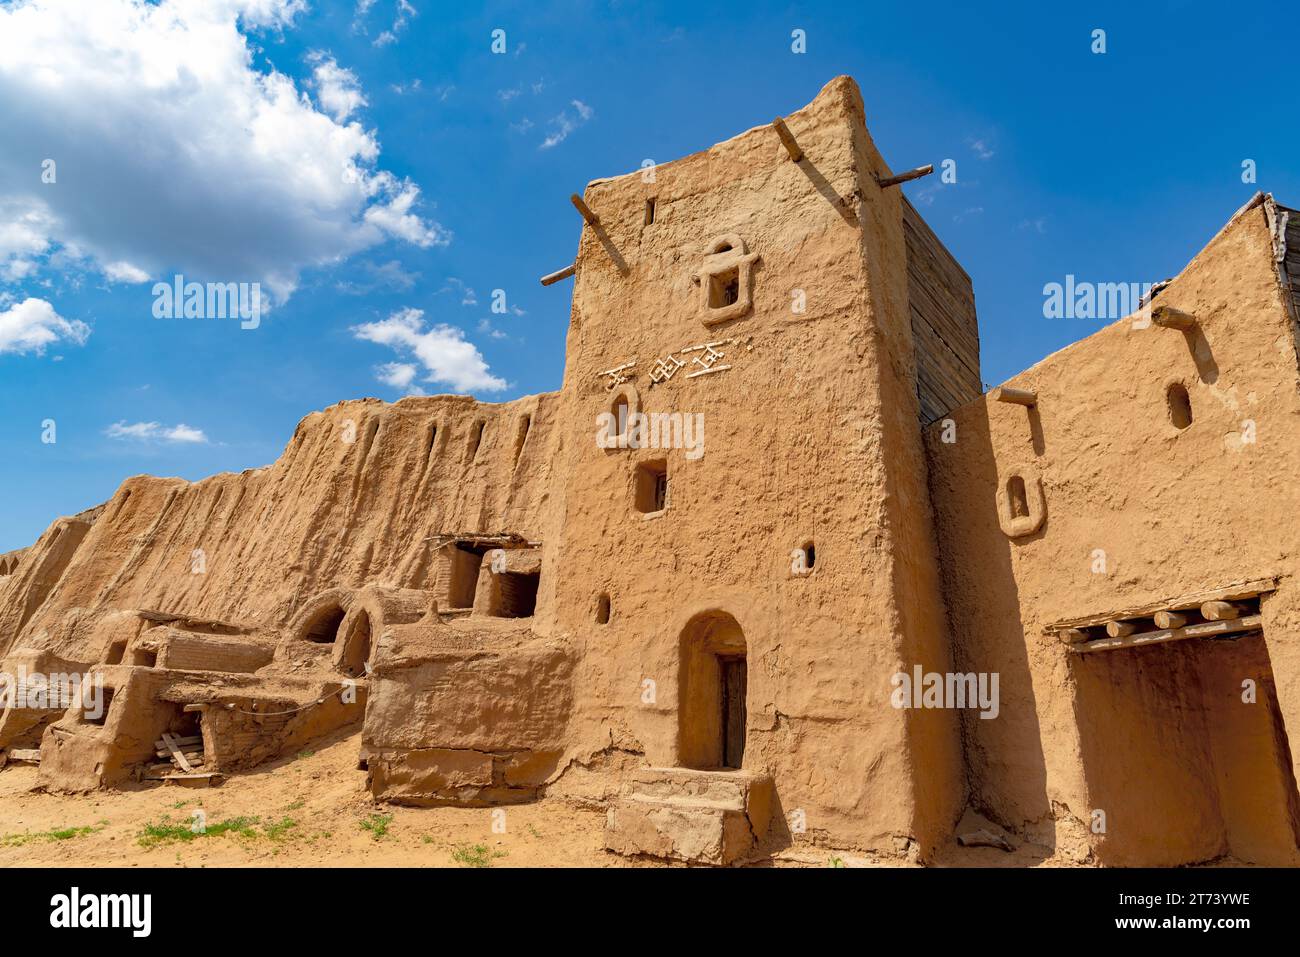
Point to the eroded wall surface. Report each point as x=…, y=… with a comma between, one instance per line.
x=810, y=437
x=1138, y=510
x=365, y=493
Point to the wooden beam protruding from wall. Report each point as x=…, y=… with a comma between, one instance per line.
x=1172, y=619
x=1223, y=610
x=911, y=174
x=591, y=218
x=559, y=274
x=787, y=139
x=1171, y=318
x=1014, y=396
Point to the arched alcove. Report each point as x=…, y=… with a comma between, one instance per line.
x=712, y=688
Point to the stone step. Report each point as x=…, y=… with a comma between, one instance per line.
x=730, y=787
x=703, y=817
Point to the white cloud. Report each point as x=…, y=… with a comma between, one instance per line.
x=980, y=147
x=125, y=272
x=468, y=297
x=404, y=13
x=440, y=349
x=485, y=326
x=399, y=375
x=156, y=432
x=31, y=325
x=394, y=217
x=564, y=124
x=175, y=152
x=25, y=224
x=337, y=89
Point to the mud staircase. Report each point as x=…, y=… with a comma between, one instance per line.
x=700, y=817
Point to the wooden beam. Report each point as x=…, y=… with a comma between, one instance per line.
x=787, y=139
x=1016, y=396
x=1171, y=619
x=1171, y=318
x=1223, y=610
x=1205, y=629
x=175, y=750
x=1234, y=591
x=1120, y=629
x=911, y=174
x=1073, y=635
x=559, y=274
x=591, y=218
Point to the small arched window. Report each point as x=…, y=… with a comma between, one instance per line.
x=1180, y=405
x=1016, y=494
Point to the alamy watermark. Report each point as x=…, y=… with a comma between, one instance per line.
x=1075, y=299
x=37, y=691
x=652, y=430
x=179, y=299
x=933, y=689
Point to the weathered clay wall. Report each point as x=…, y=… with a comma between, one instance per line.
x=1137, y=511
x=797, y=435
x=360, y=496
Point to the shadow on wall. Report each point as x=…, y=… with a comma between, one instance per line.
x=1184, y=753
x=1004, y=755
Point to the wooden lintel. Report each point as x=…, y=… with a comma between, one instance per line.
x=591, y=218
x=1250, y=588
x=787, y=139
x=1017, y=396
x=911, y=174
x=559, y=274
x=1206, y=629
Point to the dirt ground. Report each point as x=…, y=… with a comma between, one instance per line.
x=310, y=810
x=313, y=810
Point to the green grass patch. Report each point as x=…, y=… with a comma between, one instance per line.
x=50, y=836
x=475, y=855
x=168, y=831
x=377, y=825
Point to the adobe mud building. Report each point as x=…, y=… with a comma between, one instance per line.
x=707, y=647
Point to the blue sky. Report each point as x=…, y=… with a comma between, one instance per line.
x=175, y=153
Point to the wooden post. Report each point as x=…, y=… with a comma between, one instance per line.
x=1171, y=318
x=559, y=274
x=1072, y=636
x=787, y=139
x=911, y=174
x=1120, y=629
x=1223, y=610
x=1171, y=619
x=591, y=218
x=1016, y=396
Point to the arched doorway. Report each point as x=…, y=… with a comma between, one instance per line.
x=713, y=683
x=356, y=646
x=323, y=627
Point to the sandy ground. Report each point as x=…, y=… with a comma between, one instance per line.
x=310, y=810
x=320, y=792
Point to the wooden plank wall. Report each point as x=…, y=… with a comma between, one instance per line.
x=1291, y=261
x=944, y=326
